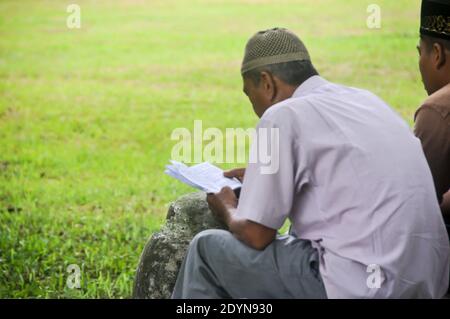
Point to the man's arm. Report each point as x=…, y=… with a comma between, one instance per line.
x=223, y=205
x=433, y=132
x=266, y=198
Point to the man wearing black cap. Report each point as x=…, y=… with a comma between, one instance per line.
x=432, y=119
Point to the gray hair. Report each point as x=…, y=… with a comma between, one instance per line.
x=293, y=73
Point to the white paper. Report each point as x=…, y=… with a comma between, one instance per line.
x=204, y=176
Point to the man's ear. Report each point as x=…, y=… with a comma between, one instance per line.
x=439, y=56
x=268, y=85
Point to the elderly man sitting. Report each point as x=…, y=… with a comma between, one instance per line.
x=352, y=179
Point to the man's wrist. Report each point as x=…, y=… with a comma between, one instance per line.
x=228, y=215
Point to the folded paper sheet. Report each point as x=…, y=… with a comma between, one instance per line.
x=204, y=176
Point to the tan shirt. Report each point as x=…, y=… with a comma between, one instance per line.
x=432, y=127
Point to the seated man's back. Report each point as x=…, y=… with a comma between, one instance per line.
x=354, y=180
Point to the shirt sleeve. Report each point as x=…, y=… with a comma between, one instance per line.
x=269, y=186
x=434, y=133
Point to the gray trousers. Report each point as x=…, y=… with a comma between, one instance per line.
x=218, y=265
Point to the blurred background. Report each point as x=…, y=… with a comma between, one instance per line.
x=86, y=115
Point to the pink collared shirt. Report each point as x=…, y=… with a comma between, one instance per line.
x=353, y=179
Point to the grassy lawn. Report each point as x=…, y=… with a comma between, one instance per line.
x=86, y=115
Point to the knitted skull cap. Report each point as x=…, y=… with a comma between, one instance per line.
x=273, y=46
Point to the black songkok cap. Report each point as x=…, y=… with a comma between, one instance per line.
x=435, y=18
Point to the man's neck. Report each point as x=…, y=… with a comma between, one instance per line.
x=443, y=84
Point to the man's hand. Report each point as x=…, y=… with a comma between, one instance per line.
x=237, y=173
x=222, y=203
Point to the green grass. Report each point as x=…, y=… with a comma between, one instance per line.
x=86, y=116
